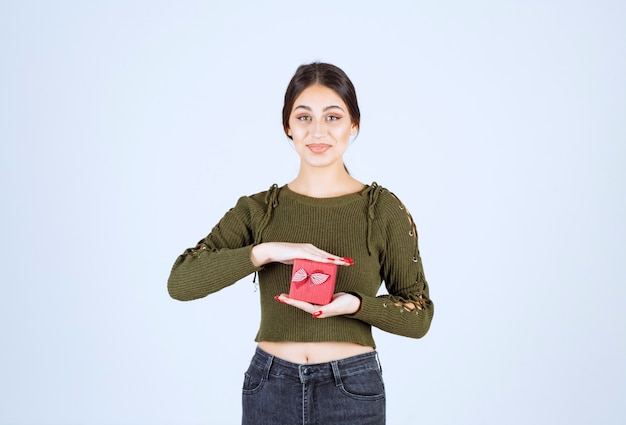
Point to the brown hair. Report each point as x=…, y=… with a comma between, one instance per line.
x=326, y=75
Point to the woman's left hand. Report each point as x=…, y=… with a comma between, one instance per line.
x=342, y=303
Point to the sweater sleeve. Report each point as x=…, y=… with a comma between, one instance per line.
x=406, y=309
x=220, y=259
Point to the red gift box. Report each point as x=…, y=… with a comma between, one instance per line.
x=313, y=282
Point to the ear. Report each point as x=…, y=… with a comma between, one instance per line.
x=354, y=129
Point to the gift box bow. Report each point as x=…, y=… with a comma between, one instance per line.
x=301, y=276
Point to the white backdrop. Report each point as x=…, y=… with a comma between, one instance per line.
x=128, y=128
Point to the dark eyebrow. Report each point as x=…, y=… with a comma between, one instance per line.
x=333, y=107
x=308, y=108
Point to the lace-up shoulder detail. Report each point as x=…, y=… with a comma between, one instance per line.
x=271, y=201
x=412, y=301
x=374, y=194
x=411, y=228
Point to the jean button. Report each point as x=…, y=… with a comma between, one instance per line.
x=306, y=371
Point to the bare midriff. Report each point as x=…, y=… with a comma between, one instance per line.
x=313, y=352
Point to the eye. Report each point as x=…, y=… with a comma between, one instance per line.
x=304, y=118
x=332, y=118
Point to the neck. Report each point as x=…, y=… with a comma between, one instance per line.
x=323, y=182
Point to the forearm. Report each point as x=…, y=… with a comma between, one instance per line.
x=410, y=317
x=286, y=252
x=197, y=274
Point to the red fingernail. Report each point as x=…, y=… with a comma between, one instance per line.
x=348, y=260
x=317, y=314
x=331, y=259
x=277, y=298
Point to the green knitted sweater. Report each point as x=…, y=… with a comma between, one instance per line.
x=371, y=226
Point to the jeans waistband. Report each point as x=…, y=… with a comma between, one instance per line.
x=332, y=370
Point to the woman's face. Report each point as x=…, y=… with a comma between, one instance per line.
x=320, y=126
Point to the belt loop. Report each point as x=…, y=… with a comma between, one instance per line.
x=268, y=366
x=334, y=364
x=380, y=367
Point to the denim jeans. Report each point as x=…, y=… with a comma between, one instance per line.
x=347, y=391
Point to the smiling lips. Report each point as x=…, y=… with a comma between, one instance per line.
x=318, y=148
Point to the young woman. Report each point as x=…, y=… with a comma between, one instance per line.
x=316, y=363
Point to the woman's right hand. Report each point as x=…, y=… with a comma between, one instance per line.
x=286, y=252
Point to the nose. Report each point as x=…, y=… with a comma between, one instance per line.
x=319, y=129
